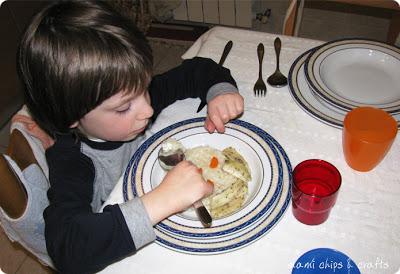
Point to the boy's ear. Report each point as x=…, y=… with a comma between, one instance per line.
x=74, y=125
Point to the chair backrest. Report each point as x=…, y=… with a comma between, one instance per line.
x=13, y=197
x=20, y=151
x=23, y=193
x=294, y=14
x=291, y=23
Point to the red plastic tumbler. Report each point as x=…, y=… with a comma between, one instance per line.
x=315, y=188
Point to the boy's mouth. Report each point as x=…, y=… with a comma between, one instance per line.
x=139, y=130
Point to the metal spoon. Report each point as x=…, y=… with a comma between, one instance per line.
x=167, y=161
x=277, y=79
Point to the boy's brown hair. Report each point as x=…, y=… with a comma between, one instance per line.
x=76, y=54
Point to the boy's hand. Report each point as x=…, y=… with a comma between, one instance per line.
x=181, y=187
x=186, y=184
x=221, y=109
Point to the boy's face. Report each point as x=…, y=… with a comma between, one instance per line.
x=121, y=117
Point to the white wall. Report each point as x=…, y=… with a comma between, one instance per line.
x=220, y=12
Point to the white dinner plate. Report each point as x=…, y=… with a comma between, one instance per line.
x=355, y=72
x=306, y=99
x=242, y=238
x=309, y=101
x=268, y=190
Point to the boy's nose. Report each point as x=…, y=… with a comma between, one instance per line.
x=147, y=112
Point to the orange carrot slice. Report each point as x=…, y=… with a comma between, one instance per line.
x=214, y=162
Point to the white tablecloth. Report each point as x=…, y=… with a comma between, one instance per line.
x=365, y=222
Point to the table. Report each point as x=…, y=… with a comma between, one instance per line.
x=365, y=222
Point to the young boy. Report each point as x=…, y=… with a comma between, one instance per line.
x=87, y=76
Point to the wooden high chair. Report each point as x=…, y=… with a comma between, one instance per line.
x=13, y=195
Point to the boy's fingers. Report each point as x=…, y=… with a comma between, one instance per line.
x=233, y=112
x=209, y=125
x=210, y=187
x=219, y=124
x=239, y=105
x=225, y=111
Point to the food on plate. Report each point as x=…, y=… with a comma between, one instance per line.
x=236, y=165
x=228, y=171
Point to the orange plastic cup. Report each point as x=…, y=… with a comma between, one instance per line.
x=368, y=134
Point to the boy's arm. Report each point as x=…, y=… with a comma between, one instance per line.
x=77, y=239
x=194, y=78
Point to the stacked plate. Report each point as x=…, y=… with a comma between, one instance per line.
x=332, y=79
x=269, y=189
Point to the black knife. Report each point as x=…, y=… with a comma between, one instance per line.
x=225, y=53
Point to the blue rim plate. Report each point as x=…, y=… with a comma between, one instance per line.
x=325, y=261
x=260, y=216
x=146, y=174
x=229, y=243
x=333, y=71
x=306, y=98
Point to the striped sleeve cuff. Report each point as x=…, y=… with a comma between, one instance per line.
x=219, y=89
x=138, y=222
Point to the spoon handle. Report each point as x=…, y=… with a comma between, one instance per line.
x=260, y=53
x=202, y=213
x=277, y=46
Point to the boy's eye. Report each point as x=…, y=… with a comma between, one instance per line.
x=123, y=110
